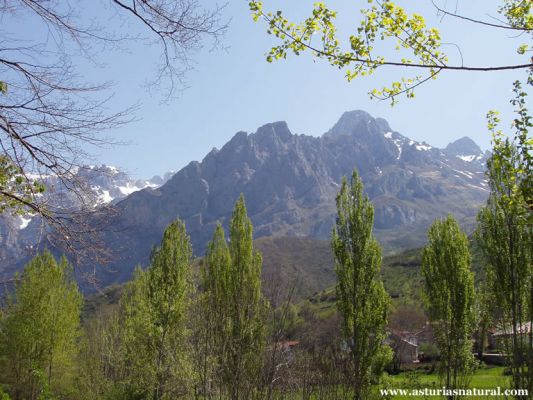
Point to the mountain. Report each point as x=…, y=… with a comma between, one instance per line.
x=21, y=235
x=290, y=182
x=465, y=149
x=108, y=184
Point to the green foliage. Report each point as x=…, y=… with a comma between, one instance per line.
x=511, y=163
x=248, y=310
x=506, y=240
x=429, y=350
x=383, y=23
x=234, y=305
x=361, y=298
x=484, y=312
x=450, y=293
x=102, y=372
x=380, y=22
x=215, y=306
x=524, y=143
x=40, y=330
x=101, y=300
x=16, y=190
x=155, y=308
x=519, y=14
x=504, y=230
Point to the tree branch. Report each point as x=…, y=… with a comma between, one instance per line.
x=368, y=62
x=476, y=21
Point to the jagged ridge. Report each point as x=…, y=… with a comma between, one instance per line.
x=290, y=182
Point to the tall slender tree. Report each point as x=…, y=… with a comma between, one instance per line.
x=215, y=303
x=232, y=281
x=101, y=362
x=449, y=285
x=40, y=329
x=156, y=308
x=506, y=240
x=361, y=297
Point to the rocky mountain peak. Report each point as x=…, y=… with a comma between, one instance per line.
x=465, y=149
x=237, y=139
x=278, y=129
x=358, y=123
x=462, y=147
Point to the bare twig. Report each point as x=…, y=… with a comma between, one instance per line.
x=50, y=118
x=477, y=21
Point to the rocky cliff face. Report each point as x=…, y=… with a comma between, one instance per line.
x=290, y=182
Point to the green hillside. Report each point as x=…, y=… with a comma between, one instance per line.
x=305, y=263
x=308, y=265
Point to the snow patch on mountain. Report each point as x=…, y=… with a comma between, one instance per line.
x=105, y=197
x=478, y=187
x=423, y=147
x=470, y=158
x=465, y=173
x=24, y=222
x=129, y=189
x=398, y=141
x=106, y=184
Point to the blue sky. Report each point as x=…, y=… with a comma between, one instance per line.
x=235, y=89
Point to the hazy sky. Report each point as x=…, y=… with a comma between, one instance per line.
x=236, y=89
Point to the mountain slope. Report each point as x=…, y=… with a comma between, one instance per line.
x=290, y=183
x=21, y=236
x=307, y=264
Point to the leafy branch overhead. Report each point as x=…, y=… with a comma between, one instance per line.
x=383, y=23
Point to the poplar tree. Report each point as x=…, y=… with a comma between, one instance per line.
x=232, y=281
x=101, y=356
x=361, y=298
x=40, y=330
x=505, y=237
x=215, y=304
x=155, y=309
x=449, y=286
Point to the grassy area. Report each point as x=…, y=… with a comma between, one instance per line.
x=484, y=378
